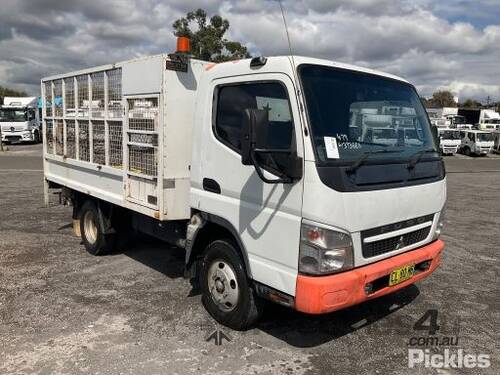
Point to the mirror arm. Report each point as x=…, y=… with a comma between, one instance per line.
x=260, y=173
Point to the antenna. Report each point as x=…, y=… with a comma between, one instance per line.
x=286, y=29
x=297, y=90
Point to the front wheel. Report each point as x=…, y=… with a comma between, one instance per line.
x=226, y=291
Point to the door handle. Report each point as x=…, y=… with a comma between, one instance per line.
x=211, y=185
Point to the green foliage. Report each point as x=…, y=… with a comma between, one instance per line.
x=442, y=98
x=207, y=41
x=5, y=91
x=471, y=103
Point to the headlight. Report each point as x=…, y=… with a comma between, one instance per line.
x=440, y=224
x=324, y=251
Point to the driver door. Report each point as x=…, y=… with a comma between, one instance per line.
x=266, y=217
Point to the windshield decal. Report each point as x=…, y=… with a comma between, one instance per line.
x=332, y=150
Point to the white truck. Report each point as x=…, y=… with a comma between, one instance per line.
x=488, y=120
x=252, y=167
x=476, y=142
x=449, y=140
x=20, y=120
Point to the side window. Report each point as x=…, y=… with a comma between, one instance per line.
x=233, y=100
x=471, y=136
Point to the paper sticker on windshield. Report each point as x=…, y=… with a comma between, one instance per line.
x=332, y=150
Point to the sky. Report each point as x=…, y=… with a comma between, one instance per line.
x=435, y=44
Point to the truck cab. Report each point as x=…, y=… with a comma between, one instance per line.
x=19, y=120
x=458, y=122
x=324, y=207
x=489, y=124
x=476, y=142
x=449, y=141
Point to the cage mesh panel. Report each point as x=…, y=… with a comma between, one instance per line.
x=143, y=116
x=58, y=99
x=83, y=95
x=49, y=129
x=143, y=160
x=59, y=129
x=48, y=98
x=115, y=107
x=69, y=93
x=70, y=139
x=115, y=143
x=97, y=94
x=98, y=142
x=83, y=140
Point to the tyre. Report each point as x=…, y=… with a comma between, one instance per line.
x=38, y=138
x=467, y=151
x=94, y=239
x=227, y=293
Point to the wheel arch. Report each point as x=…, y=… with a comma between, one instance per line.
x=205, y=229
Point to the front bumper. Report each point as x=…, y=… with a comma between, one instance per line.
x=323, y=294
x=18, y=136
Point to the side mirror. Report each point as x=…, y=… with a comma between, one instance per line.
x=255, y=149
x=254, y=129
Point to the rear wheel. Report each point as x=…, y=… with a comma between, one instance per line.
x=467, y=151
x=226, y=291
x=94, y=239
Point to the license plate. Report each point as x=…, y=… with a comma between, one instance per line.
x=401, y=274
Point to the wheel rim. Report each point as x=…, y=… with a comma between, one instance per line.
x=223, y=285
x=90, y=227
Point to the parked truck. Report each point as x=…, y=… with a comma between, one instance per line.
x=449, y=141
x=20, y=120
x=255, y=169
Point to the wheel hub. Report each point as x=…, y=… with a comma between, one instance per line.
x=223, y=285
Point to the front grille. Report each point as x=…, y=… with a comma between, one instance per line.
x=386, y=245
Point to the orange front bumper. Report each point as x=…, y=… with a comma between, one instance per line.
x=322, y=294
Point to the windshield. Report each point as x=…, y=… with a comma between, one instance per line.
x=484, y=137
x=352, y=113
x=450, y=134
x=14, y=115
x=458, y=119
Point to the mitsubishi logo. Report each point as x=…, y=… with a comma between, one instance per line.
x=401, y=243
x=12, y=128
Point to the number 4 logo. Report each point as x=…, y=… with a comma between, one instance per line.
x=432, y=327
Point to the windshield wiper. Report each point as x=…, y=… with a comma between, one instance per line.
x=417, y=156
x=354, y=167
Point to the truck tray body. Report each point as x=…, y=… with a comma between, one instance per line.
x=122, y=133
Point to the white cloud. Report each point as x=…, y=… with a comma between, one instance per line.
x=413, y=39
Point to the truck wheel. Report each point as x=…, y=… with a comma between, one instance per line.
x=467, y=151
x=94, y=240
x=226, y=291
x=37, y=138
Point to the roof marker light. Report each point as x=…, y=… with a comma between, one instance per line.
x=258, y=61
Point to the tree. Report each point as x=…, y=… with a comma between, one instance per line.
x=442, y=98
x=5, y=91
x=208, y=42
x=471, y=103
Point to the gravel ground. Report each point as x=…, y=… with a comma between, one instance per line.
x=64, y=311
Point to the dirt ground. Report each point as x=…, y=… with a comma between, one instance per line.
x=63, y=311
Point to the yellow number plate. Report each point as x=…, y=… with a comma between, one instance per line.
x=401, y=274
